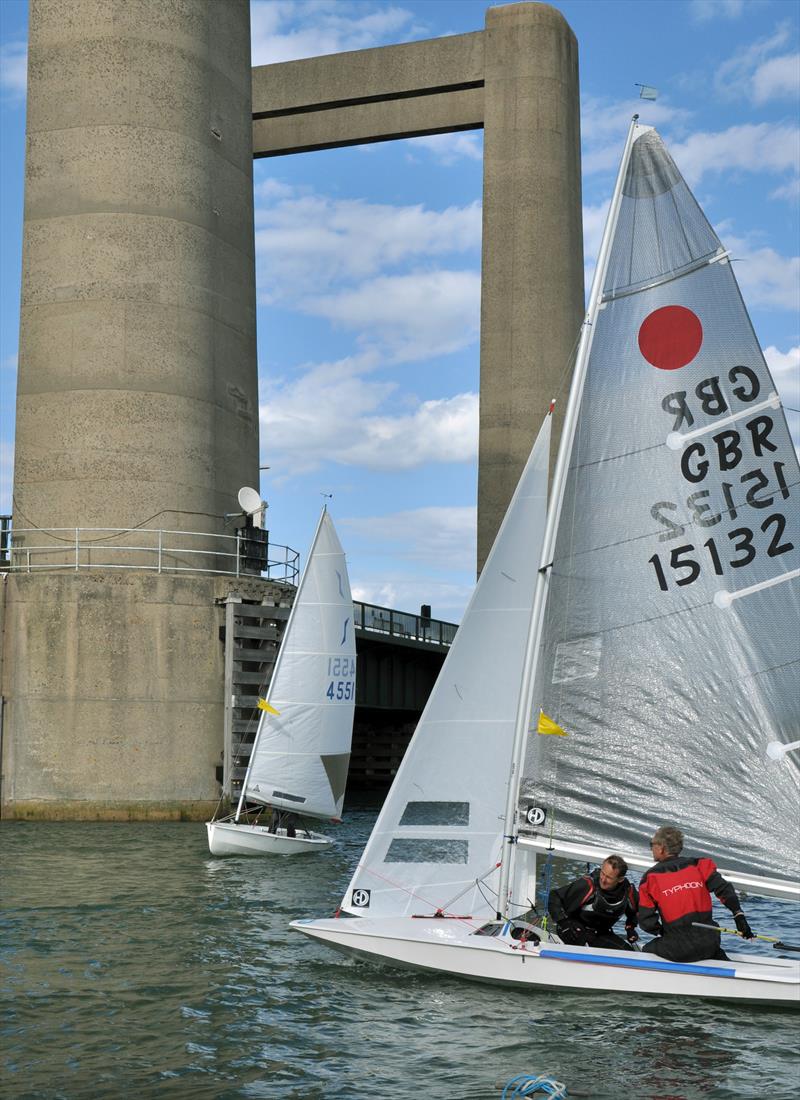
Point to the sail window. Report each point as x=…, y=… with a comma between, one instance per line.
x=288, y=797
x=428, y=851
x=435, y=813
x=577, y=660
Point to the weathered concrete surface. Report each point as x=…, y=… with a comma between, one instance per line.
x=532, y=275
x=137, y=398
x=137, y=392
x=429, y=87
x=518, y=79
x=114, y=693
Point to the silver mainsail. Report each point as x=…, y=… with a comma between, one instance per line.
x=671, y=642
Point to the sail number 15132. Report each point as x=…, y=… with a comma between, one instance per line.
x=734, y=551
x=342, y=686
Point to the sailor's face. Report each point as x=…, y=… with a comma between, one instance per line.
x=609, y=878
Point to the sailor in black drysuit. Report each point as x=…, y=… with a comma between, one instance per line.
x=586, y=910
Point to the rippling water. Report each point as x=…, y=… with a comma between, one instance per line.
x=135, y=965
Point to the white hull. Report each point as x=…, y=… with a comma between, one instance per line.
x=228, y=839
x=451, y=947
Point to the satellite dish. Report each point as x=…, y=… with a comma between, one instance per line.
x=250, y=500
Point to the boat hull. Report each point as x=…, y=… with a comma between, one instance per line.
x=451, y=947
x=225, y=838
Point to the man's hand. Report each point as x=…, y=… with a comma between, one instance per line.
x=631, y=935
x=572, y=932
x=742, y=927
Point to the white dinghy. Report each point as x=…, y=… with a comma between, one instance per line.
x=649, y=612
x=301, y=752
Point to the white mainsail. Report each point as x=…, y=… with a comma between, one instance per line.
x=438, y=836
x=671, y=637
x=301, y=754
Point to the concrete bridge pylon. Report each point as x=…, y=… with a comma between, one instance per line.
x=137, y=403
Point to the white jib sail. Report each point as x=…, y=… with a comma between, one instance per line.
x=671, y=644
x=301, y=755
x=438, y=835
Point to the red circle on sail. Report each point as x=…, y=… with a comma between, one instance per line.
x=670, y=337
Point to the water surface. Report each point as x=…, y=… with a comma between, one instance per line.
x=134, y=964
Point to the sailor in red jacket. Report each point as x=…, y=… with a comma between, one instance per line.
x=676, y=893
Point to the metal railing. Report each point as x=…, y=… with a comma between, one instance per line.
x=29, y=550
x=403, y=624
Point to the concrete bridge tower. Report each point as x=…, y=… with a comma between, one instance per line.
x=137, y=398
x=137, y=391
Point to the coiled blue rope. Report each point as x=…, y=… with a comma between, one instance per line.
x=524, y=1085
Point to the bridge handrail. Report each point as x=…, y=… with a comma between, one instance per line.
x=76, y=551
x=71, y=548
x=403, y=624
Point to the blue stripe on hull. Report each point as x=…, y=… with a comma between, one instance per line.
x=638, y=962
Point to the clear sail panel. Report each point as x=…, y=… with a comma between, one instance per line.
x=672, y=644
x=436, y=843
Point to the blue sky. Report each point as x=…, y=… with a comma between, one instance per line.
x=369, y=259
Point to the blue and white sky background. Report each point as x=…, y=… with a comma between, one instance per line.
x=369, y=259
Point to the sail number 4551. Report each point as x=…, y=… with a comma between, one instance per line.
x=740, y=545
x=342, y=688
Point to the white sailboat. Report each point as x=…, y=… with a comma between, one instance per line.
x=649, y=610
x=301, y=752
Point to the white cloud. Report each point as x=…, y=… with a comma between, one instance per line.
x=445, y=535
x=436, y=542
x=785, y=369
x=760, y=147
x=14, y=68
x=333, y=413
x=703, y=11
x=758, y=72
x=305, y=241
x=790, y=191
x=442, y=430
x=767, y=279
x=449, y=148
x=410, y=317
x=313, y=417
x=334, y=258
x=284, y=30
x=778, y=78
x=594, y=220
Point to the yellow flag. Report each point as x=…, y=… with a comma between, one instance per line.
x=547, y=725
x=264, y=705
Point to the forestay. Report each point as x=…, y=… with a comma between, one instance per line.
x=438, y=835
x=671, y=643
x=301, y=755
